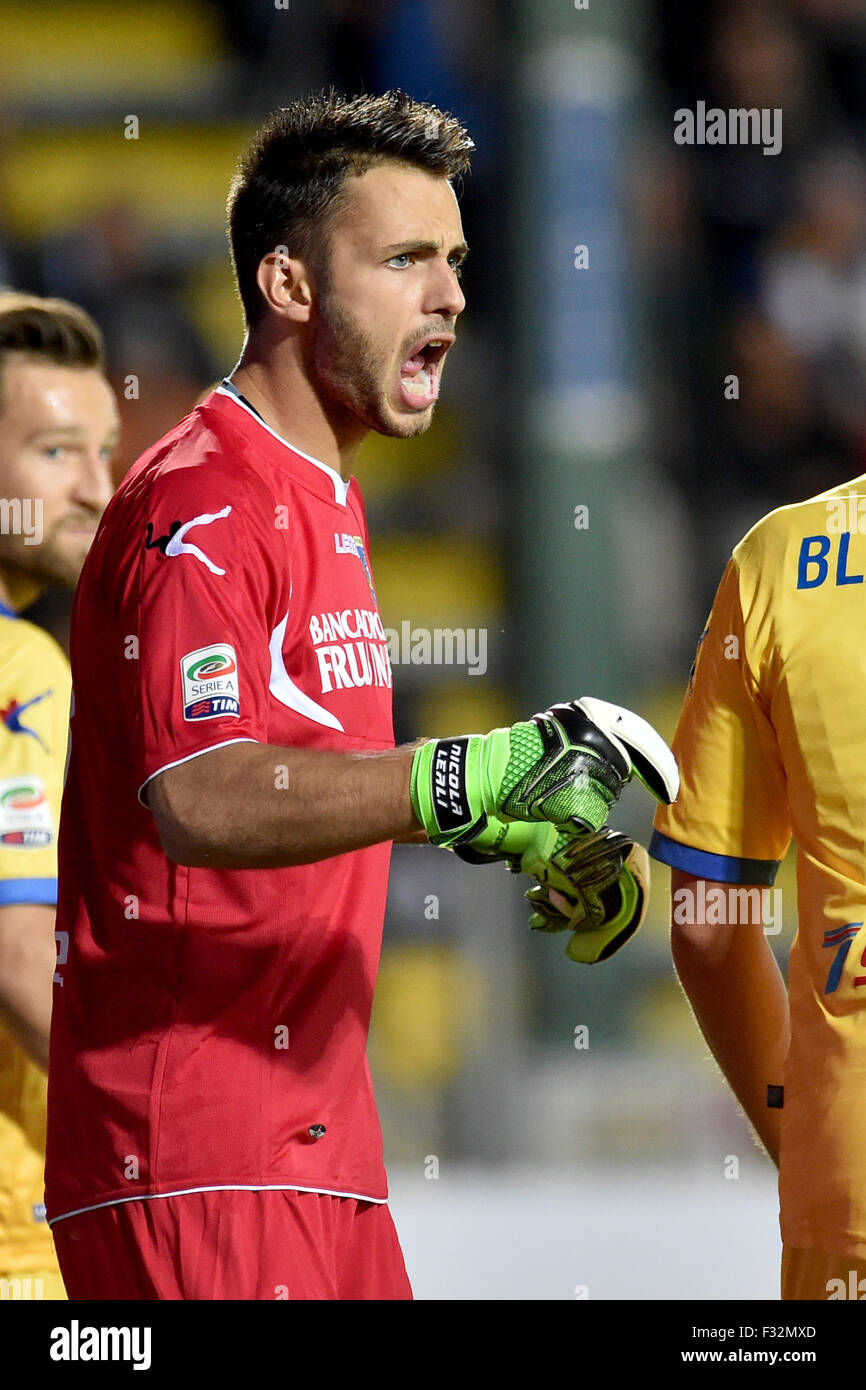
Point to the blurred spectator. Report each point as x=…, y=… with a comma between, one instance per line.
x=775, y=444
x=158, y=363
x=814, y=286
x=113, y=267
x=757, y=265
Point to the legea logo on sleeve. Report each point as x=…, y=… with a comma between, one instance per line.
x=210, y=682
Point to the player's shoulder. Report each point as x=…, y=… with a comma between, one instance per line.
x=203, y=463
x=22, y=643
x=783, y=530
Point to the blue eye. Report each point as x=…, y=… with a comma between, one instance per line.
x=54, y=451
x=403, y=256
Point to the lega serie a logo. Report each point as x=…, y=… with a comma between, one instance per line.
x=25, y=815
x=22, y=797
x=209, y=679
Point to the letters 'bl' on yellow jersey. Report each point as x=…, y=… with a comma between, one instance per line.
x=771, y=744
x=34, y=723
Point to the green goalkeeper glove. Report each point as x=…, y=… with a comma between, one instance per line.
x=510, y=842
x=594, y=886
x=566, y=766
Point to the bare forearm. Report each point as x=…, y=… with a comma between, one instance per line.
x=27, y=958
x=740, y=1002
x=261, y=806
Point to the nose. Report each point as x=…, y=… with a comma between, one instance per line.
x=447, y=296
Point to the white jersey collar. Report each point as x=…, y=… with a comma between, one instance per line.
x=341, y=485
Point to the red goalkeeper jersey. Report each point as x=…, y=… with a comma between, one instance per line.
x=209, y=1026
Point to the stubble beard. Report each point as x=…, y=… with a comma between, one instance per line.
x=50, y=562
x=350, y=370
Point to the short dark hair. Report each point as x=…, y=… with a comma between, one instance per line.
x=290, y=178
x=52, y=330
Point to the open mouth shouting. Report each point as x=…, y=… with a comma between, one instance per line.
x=421, y=372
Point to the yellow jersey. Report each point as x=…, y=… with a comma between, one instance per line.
x=34, y=719
x=771, y=744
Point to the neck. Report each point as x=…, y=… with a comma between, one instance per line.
x=272, y=376
x=17, y=590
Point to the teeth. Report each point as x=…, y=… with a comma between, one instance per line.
x=436, y=343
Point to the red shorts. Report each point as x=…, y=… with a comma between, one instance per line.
x=233, y=1244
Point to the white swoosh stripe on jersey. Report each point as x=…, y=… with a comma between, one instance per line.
x=178, y=546
x=283, y=688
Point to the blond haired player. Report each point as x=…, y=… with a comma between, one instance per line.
x=58, y=425
x=772, y=745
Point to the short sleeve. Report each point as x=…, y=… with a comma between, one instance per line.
x=34, y=702
x=211, y=573
x=730, y=822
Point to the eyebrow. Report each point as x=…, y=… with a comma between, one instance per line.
x=57, y=429
x=400, y=247
x=69, y=432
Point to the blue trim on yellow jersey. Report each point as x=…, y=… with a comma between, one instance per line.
x=7, y=612
x=15, y=891
x=720, y=868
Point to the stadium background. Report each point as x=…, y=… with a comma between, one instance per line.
x=523, y=1164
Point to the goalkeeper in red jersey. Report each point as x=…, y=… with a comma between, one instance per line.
x=212, y=1127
